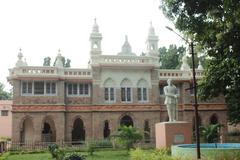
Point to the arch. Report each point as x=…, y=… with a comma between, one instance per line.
x=126, y=83
x=147, y=131
x=126, y=120
x=95, y=45
x=213, y=119
x=109, y=82
x=142, y=83
x=152, y=47
x=126, y=90
x=106, y=129
x=78, y=131
x=27, y=130
x=48, y=129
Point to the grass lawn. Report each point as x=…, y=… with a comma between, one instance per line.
x=98, y=155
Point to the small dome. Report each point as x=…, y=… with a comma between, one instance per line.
x=59, y=62
x=20, y=62
x=151, y=30
x=185, y=65
x=126, y=48
x=200, y=67
x=95, y=26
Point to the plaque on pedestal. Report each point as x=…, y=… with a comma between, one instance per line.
x=170, y=133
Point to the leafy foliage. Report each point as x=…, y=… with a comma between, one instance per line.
x=170, y=58
x=52, y=148
x=3, y=94
x=128, y=136
x=210, y=133
x=74, y=156
x=215, y=26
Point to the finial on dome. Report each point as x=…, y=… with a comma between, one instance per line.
x=20, y=62
x=59, y=62
x=200, y=67
x=95, y=20
x=151, y=30
x=20, y=55
x=126, y=38
x=95, y=26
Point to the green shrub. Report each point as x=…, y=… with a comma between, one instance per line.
x=56, y=152
x=53, y=150
x=60, y=154
x=128, y=136
x=210, y=133
x=74, y=156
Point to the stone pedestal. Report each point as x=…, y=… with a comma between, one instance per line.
x=171, y=133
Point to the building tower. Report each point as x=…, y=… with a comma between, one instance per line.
x=152, y=42
x=95, y=39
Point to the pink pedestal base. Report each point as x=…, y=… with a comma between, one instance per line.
x=171, y=133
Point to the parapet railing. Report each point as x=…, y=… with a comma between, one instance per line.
x=176, y=74
x=114, y=59
x=50, y=71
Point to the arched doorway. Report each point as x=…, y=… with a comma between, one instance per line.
x=214, y=119
x=78, y=132
x=106, y=130
x=147, y=131
x=27, y=131
x=48, y=130
x=126, y=121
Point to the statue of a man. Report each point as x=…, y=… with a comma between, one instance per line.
x=170, y=92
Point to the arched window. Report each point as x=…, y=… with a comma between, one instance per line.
x=142, y=90
x=147, y=131
x=48, y=130
x=95, y=45
x=78, y=132
x=126, y=90
x=126, y=121
x=106, y=130
x=214, y=119
x=27, y=131
x=152, y=47
x=109, y=90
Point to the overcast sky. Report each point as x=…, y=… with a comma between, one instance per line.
x=41, y=27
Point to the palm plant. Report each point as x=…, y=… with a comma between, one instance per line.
x=128, y=136
x=210, y=133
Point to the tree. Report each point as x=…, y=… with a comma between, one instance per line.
x=170, y=58
x=128, y=136
x=3, y=94
x=215, y=26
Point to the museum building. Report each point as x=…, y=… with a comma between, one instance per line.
x=57, y=103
